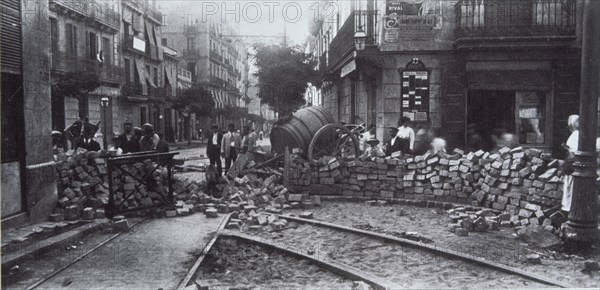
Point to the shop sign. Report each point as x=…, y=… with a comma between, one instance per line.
x=411, y=21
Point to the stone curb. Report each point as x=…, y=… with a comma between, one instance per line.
x=436, y=250
x=11, y=259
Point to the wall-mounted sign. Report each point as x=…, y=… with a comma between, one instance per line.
x=415, y=91
x=139, y=44
x=411, y=21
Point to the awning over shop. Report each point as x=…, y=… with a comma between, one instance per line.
x=143, y=75
x=525, y=80
x=172, y=79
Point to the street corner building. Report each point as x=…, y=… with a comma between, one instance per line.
x=453, y=65
x=123, y=61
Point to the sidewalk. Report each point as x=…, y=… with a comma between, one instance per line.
x=23, y=243
x=155, y=254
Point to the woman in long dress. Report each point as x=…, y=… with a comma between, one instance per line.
x=571, y=146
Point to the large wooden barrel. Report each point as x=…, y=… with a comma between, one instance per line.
x=298, y=132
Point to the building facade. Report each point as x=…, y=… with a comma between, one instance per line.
x=84, y=37
x=215, y=55
x=147, y=69
x=463, y=67
x=28, y=172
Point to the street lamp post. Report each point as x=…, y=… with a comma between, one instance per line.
x=582, y=226
x=104, y=104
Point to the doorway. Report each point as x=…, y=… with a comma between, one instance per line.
x=488, y=112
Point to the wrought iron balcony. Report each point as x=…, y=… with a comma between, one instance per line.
x=62, y=62
x=96, y=11
x=491, y=20
x=343, y=42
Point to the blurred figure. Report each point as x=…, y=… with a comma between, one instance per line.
x=406, y=135
x=502, y=138
x=438, y=145
x=474, y=139
x=394, y=144
x=366, y=136
x=423, y=139
x=571, y=146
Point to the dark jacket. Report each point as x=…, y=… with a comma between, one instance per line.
x=212, y=150
x=389, y=148
x=131, y=145
x=79, y=142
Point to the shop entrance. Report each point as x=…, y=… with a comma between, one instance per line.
x=488, y=112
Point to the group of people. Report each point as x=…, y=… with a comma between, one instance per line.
x=402, y=139
x=227, y=145
x=133, y=139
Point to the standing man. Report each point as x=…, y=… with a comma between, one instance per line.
x=127, y=139
x=213, y=148
x=230, y=139
x=394, y=144
x=150, y=139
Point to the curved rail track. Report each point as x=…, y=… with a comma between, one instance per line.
x=384, y=261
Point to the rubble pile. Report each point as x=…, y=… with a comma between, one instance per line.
x=519, y=181
x=83, y=189
x=253, y=201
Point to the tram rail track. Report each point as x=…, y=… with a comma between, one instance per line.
x=352, y=260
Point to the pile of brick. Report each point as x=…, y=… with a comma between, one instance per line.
x=127, y=179
x=82, y=185
x=83, y=189
x=515, y=180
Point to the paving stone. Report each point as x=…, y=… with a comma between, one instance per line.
x=211, y=212
x=306, y=215
x=171, y=213
x=87, y=213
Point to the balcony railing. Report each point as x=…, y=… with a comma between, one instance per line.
x=105, y=15
x=98, y=11
x=515, y=18
x=79, y=6
x=106, y=72
x=191, y=53
x=146, y=7
x=343, y=42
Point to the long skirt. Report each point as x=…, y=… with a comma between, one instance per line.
x=567, y=193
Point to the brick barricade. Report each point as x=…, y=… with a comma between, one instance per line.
x=83, y=188
x=519, y=181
